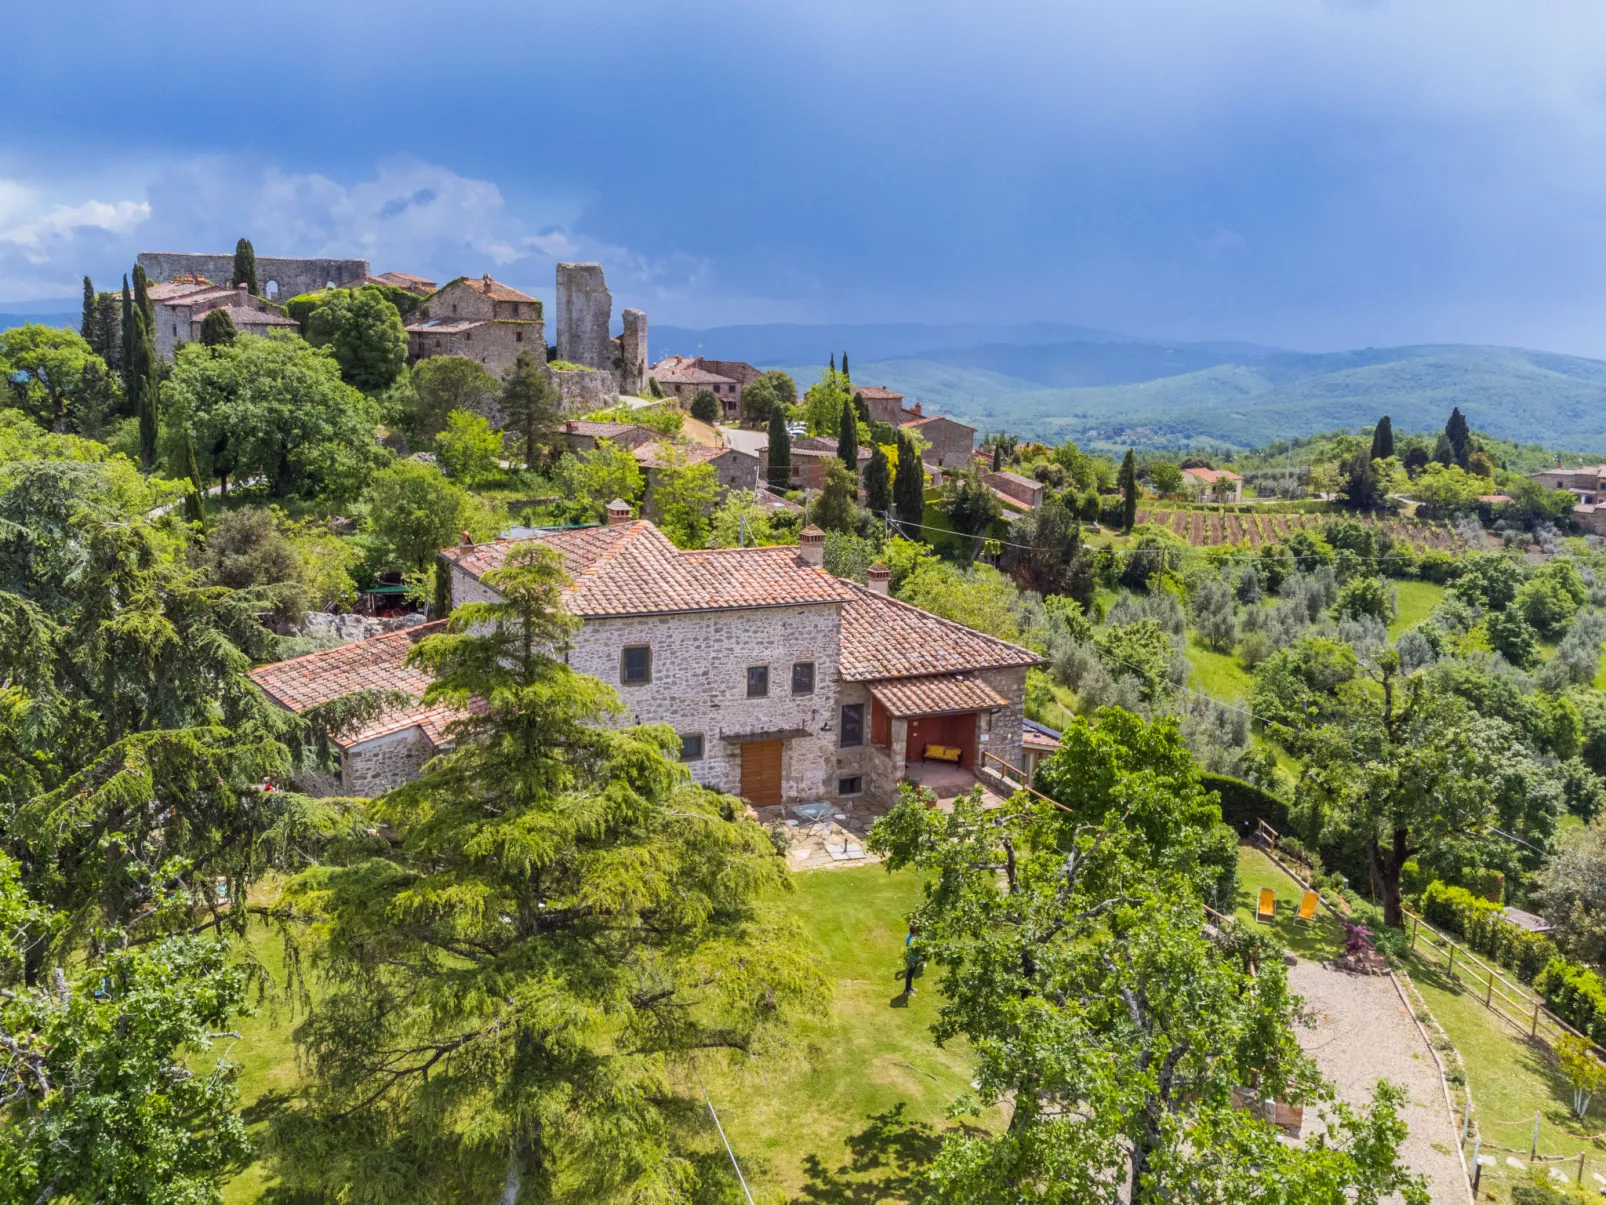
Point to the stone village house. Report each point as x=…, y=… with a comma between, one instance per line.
x=784, y=682
x=480, y=318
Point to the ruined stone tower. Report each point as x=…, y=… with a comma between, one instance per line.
x=630, y=353
x=585, y=308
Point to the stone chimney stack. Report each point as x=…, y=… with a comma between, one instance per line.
x=618, y=512
x=466, y=540
x=486, y=279
x=811, y=546
x=878, y=577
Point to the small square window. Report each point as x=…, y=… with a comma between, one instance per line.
x=758, y=681
x=852, y=785
x=691, y=746
x=803, y=678
x=852, y=725
x=518, y=336
x=635, y=665
x=515, y=309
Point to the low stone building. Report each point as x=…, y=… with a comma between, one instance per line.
x=684, y=378
x=735, y=469
x=811, y=460
x=416, y=285
x=1588, y=478
x=480, y=319
x=1214, y=485
x=948, y=443
x=181, y=307
x=582, y=435
x=1016, y=490
x=885, y=405
x=784, y=682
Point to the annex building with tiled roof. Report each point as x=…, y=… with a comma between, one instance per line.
x=181, y=306
x=785, y=683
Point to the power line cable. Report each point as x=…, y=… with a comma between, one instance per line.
x=741, y=1179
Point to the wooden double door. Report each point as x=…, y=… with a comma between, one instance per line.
x=761, y=772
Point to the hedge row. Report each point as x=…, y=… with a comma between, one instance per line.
x=1576, y=995
x=1482, y=926
x=1242, y=803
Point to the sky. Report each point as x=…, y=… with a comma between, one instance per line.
x=1312, y=174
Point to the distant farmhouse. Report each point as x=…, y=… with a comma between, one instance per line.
x=784, y=682
x=683, y=379
x=1587, y=483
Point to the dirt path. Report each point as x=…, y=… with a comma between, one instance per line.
x=1363, y=1034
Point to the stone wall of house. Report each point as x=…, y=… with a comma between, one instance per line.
x=699, y=685
x=376, y=766
x=630, y=354
x=584, y=391
x=949, y=444
x=291, y=276
x=585, y=311
x=495, y=346
x=1002, y=736
x=466, y=588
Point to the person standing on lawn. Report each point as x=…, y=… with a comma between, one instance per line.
x=911, y=961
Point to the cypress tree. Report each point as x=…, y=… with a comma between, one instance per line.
x=1443, y=451
x=142, y=370
x=1383, y=439
x=109, y=329
x=846, y=376
x=859, y=408
x=217, y=329
x=998, y=457
x=833, y=363
x=909, y=487
x=127, y=340
x=1459, y=435
x=780, y=470
x=245, y=267
x=878, y=481
x=194, y=500
x=87, y=325
x=1129, y=490
x=847, y=440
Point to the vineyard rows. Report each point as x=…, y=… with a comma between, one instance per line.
x=1204, y=529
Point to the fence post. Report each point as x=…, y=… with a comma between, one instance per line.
x=1466, y=1122
x=1533, y=1148
x=1580, y=1167
x=1477, y=1168
x=1412, y=943
x=1451, y=970
x=1488, y=992
x=1533, y=1030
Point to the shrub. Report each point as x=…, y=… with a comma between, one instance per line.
x=1575, y=994
x=1482, y=926
x=1435, y=567
x=1242, y=803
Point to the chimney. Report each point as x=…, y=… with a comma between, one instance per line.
x=466, y=540
x=811, y=546
x=618, y=512
x=878, y=577
x=487, y=279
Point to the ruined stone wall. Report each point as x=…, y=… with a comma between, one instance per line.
x=292, y=276
x=585, y=311
x=377, y=766
x=630, y=354
x=583, y=392
x=699, y=685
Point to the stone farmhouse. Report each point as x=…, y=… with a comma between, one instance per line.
x=1204, y=483
x=180, y=306
x=684, y=378
x=735, y=469
x=1015, y=490
x=948, y=442
x=1587, y=483
x=885, y=405
x=479, y=318
x=784, y=683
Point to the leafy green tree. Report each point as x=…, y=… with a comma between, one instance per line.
x=1547, y=606
x=1448, y=490
x=107, y=1092
x=971, y=506
x=521, y=981
x=217, y=328
x=414, y=512
x=104, y=334
x=95, y=401
x=977, y=596
x=837, y=508
x=1487, y=579
x=1154, y=551
x=1382, y=439
x=246, y=550
x=1512, y=637
x=195, y=494
x=847, y=440
x=1166, y=479
x=764, y=394
x=1585, y=1073
x=275, y=409
x=364, y=333
x=45, y=368
x=126, y=328
x=909, y=486
x=742, y=521
x=1129, y=490
x=1051, y=561
x=878, y=481
x=681, y=497
x=245, y=268
x=861, y=409
x=596, y=477
x=1075, y=967
x=780, y=451
x=87, y=320
x=531, y=407
x=470, y=449
x=441, y=384
x=823, y=403
x=705, y=407
x=1363, y=596
x=1215, y=613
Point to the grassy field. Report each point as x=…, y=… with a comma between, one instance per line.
x=847, y=1116
x=1217, y=674
x=1416, y=599
x=1321, y=939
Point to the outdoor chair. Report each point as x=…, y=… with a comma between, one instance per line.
x=942, y=753
x=1307, y=908
x=1266, y=906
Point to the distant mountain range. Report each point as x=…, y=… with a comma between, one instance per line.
x=1109, y=391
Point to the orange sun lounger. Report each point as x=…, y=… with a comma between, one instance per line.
x=1266, y=906
x=1307, y=908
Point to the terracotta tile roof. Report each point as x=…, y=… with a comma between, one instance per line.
x=242, y=316
x=885, y=638
x=373, y=664
x=495, y=289
x=864, y=453
x=1017, y=478
x=1211, y=476
x=633, y=569
x=600, y=430
x=922, y=419
x=439, y=326
x=195, y=296
x=691, y=376
x=936, y=695
x=170, y=289
x=878, y=393
x=657, y=454
x=405, y=280
x=1037, y=740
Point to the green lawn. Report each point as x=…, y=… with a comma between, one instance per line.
x=1219, y=675
x=1321, y=939
x=848, y=1114
x=1416, y=599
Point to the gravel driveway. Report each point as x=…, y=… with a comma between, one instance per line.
x=1363, y=1034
